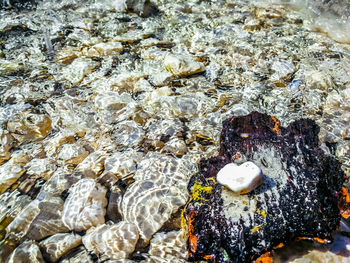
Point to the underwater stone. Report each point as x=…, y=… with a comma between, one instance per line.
x=91, y=166
x=25, y=126
x=9, y=174
x=39, y=219
x=182, y=66
x=158, y=192
x=121, y=164
x=85, y=205
x=59, y=244
x=6, y=144
x=112, y=241
x=78, y=69
x=283, y=69
x=167, y=247
x=78, y=255
x=240, y=179
x=297, y=197
x=128, y=134
x=161, y=131
x=27, y=252
x=318, y=80
x=103, y=49
x=72, y=153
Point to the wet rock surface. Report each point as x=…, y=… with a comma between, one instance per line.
x=297, y=199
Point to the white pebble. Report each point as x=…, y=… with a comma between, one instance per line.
x=240, y=179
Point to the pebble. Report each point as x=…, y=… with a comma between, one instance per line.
x=182, y=66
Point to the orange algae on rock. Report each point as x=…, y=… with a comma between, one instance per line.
x=317, y=239
x=265, y=258
x=344, y=202
x=277, y=124
x=192, y=238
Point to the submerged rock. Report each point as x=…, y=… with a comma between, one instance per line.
x=85, y=205
x=112, y=241
x=39, y=219
x=27, y=252
x=296, y=200
x=167, y=247
x=182, y=66
x=59, y=244
x=158, y=192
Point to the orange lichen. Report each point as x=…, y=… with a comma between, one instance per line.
x=208, y=257
x=192, y=238
x=278, y=246
x=320, y=240
x=265, y=258
x=344, y=202
x=317, y=239
x=277, y=124
x=236, y=156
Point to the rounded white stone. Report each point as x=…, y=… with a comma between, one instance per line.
x=240, y=179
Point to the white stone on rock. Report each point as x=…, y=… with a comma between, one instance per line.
x=240, y=179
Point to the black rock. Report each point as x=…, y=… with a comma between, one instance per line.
x=298, y=197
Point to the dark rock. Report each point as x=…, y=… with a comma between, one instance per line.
x=298, y=197
x=20, y=4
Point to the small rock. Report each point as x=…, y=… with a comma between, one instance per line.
x=9, y=174
x=252, y=24
x=78, y=69
x=27, y=126
x=79, y=256
x=122, y=164
x=240, y=179
x=103, y=49
x=283, y=69
x=175, y=146
x=91, y=166
x=167, y=247
x=128, y=134
x=182, y=66
x=6, y=141
x=8, y=67
x=318, y=80
x=72, y=153
x=158, y=192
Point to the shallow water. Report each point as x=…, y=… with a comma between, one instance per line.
x=135, y=98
